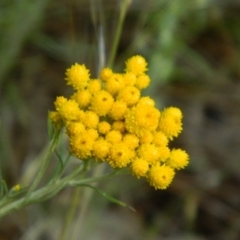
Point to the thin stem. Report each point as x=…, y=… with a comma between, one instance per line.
x=123, y=11
x=74, y=205
x=85, y=201
x=75, y=183
x=41, y=194
x=53, y=188
x=33, y=197
x=71, y=214
x=44, y=166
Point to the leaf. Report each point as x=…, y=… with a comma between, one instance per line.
x=114, y=200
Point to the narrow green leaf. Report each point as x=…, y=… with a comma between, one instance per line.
x=114, y=200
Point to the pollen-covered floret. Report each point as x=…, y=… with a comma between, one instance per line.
x=130, y=95
x=118, y=110
x=146, y=137
x=92, y=133
x=178, y=159
x=101, y=149
x=160, y=139
x=81, y=145
x=75, y=128
x=131, y=140
x=69, y=111
x=164, y=153
x=170, y=122
x=146, y=101
x=91, y=119
x=129, y=79
x=104, y=127
x=114, y=84
x=142, y=81
x=56, y=119
x=59, y=102
x=136, y=64
x=114, y=136
x=77, y=76
x=105, y=74
x=82, y=97
x=149, y=152
x=141, y=118
x=101, y=102
x=139, y=167
x=119, y=126
x=94, y=86
x=120, y=155
x=160, y=177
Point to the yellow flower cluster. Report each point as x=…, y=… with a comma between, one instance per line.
x=108, y=120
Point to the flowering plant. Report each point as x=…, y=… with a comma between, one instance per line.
x=106, y=120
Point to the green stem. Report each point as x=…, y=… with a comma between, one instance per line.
x=50, y=190
x=74, y=205
x=85, y=201
x=44, y=166
x=33, y=197
x=75, y=183
x=71, y=214
x=123, y=11
x=39, y=195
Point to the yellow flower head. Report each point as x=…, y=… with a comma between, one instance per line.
x=92, y=133
x=174, y=112
x=146, y=137
x=101, y=102
x=69, y=111
x=101, y=149
x=114, y=84
x=142, y=82
x=82, y=97
x=164, y=153
x=107, y=119
x=170, y=122
x=141, y=118
x=75, y=128
x=94, y=86
x=160, y=139
x=105, y=74
x=119, y=126
x=130, y=95
x=81, y=145
x=59, y=102
x=178, y=159
x=56, y=119
x=120, y=155
x=136, y=64
x=149, y=152
x=131, y=140
x=129, y=79
x=91, y=119
x=104, y=127
x=146, y=101
x=114, y=136
x=147, y=116
x=77, y=76
x=160, y=177
x=139, y=167
x=118, y=110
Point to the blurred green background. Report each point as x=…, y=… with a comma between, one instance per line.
x=193, y=51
